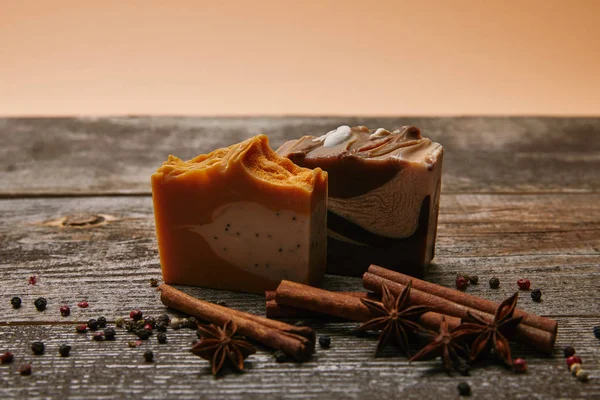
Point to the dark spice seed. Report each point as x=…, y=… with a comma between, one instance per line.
x=474, y=279
x=32, y=280
x=536, y=294
x=461, y=282
x=520, y=365
x=597, y=331
x=143, y=334
x=161, y=327
x=161, y=337
x=148, y=355
x=92, y=324
x=25, y=369
x=524, y=284
x=163, y=318
x=135, y=315
x=568, y=351
x=280, y=356
x=324, y=341
x=38, y=348
x=15, y=302
x=148, y=327
x=65, y=311
x=6, y=358
x=64, y=350
x=110, y=333
x=101, y=322
x=192, y=323
x=150, y=321
x=83, y=304
x=135, y=343
x=464, y=389
x=120, y=322
x=494, y=283
x=81, y=328
x=153, y=282
x=98, y=336
x=40, y=303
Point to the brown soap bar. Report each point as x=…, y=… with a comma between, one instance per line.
x=384, y=190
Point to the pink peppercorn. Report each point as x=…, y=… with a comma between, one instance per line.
x=573, y=359
x=83, y=304
x=524, y=284
x=81, y=328
x=32, y=280
x=148, y=327
x=520, y=365
x=65, y=311
x=461, y=282
x=6, y=358
x=135, y=315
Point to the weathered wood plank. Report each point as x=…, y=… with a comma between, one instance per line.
x=44, y=156
x=346, y=370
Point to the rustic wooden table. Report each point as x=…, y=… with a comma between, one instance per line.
x=521, y=198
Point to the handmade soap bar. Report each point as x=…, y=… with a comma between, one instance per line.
x=240, y=218
x=384, y=190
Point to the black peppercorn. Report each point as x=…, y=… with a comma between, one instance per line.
x=494, y=283
x=153, y=282
x=110, y=333
x=16, y=302
x=474, y=279
x=164, y=318
x=161, y=337
x=38, y=348
x=92, y=324
x=135, y=315
x=150, y=321
x=324, y=341
x=25, y=369
x=568, y=351
x=161, y=327
x=40, y=303
x=148, y=355
x=6, y=358
x=64, y=350
x=101, y=322
x=280, y=356
x=464, y=389
x=98, y=336
x=536, y=294
x=597, y=331
x=192, y=323
x=130, y=326
x=142, y=334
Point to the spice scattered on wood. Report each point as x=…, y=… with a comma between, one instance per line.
x=150, y=321
x=40, y=303
x=148, y=355
x=101, y=322
x=161, y=337
x=568, y=351
x=280, y=356
x=474, y=279
x=64, y=350
x=119, y=322
x=83, y=304
x=536, y=295
x=65, y=311
x=81, y=328
x=6, y=358
x=153, y=282
x=134, y=343
x=221, y=345
x=494, y=283
x=325, y=341
x=464, y=389
x=446, y=344
x=92, y=324
x=135, y=315
x=520, y=365
x=25, y=369
x=164, y=318
x=574, y=368
x=143, y=334
x=98, y=336
x=109, y=333
x=524, y=284
x=38, y=348
x=32, y=280
x=15, y=302
x=161, y=327
x=461, y=282
x=582, y=375
x=574, y=359
x=175, y=323
x=596, y=331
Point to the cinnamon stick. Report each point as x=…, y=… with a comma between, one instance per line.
x=341, y=305
x=297, y=342
x=276, y=310
x=537, y=338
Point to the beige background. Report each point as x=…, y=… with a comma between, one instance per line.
x=299, y=57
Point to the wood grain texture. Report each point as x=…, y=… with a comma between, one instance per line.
x=117, y=155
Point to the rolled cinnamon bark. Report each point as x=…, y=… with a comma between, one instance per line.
x=296, y=342
x=276, y=310
x=537, y=338
x=341, y=305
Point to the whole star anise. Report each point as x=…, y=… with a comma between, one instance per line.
x=493, y=334
x=219, y=345
x=446, y=344
x=394, y=318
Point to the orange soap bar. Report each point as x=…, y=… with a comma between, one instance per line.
x=241, y=218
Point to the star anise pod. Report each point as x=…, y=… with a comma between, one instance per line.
x=220, y=345
x=493, y=334
x=446, y=344
x=394, y=318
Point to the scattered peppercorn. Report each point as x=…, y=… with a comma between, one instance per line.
x=135, y=315
x=92, y=324
x=32, y=280
x=161, y=337
x=192, y=323
x=520, y=365
x=474, y=279
x=536, y=295
x=143, y=334
x=461, y=282
x=184, y=322
x=148, y=355
x=574, y=359
x=582, y=375
x=222, y=303
x=164, y=318
x=25, y=369
x=64, y=350
x=148, y=328
x=101, y=322
x=110, y=333
x=98, y=336
x=135, y=343
x=175, y=323
x=81, y=328
x=150, y=321
x=83, y=304
x=15, y=302
x=6, y=358
x=38, y=348
x=119, y=322
x=324, y=341
x=280, y=356
x=65, y=311
x=524, y=284
x=568, y=351
x=464, y=389
x=161, y=327
x=467, y=277
x=40, y=303
x=153, y=282
x=494, y=283
x=574, y=368
x=597, y=331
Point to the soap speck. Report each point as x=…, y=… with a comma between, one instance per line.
x=237, y=233
x=293, y=218
x=280, y=249
x=269, y=236
x=257, y=235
